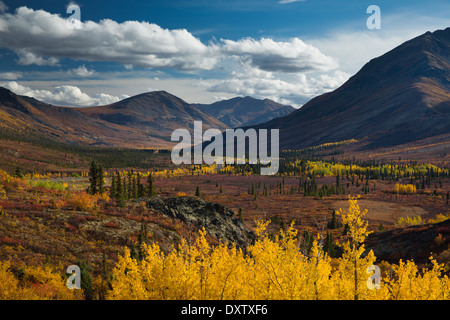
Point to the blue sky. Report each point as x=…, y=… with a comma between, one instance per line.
x=199, y=50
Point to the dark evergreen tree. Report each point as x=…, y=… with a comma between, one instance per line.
x=334, y=222
x=134, y=188
x=197, y=191
x=86, y=280
x=113, y=190
x=18, y=173
x=241, y=216
x=142, y=238
x=140, y=186
x=329, y=246
x=150, y=187
x=120, y=190
x=130, y=185
x=119, y=187
x=100, y=179
x=93, y=178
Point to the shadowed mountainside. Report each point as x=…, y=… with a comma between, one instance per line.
x=400, y=97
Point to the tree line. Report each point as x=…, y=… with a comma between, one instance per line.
x=124, y=185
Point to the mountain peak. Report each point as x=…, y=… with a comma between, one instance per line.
x=6, y=94
x=245, y=111
x=399, y=97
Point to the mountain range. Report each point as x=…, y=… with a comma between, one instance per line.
x=142, y=121
x=400, y=97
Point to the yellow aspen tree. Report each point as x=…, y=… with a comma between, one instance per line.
x=353, y=248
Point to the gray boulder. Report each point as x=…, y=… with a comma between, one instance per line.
x=219, y=221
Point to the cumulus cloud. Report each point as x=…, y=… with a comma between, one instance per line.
x=81, y=71
x=63, y=95
x=286, y=71
x=41, y=38
x=27, y=58
x=36, y=34
x=269, y=55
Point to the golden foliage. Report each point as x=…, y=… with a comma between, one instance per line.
x=404, y=188
x=83, y=202
x=409, y=221
x=36, y=283
x=273, y=269
x=439, y=218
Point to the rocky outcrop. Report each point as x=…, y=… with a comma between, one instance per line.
x=220, y=222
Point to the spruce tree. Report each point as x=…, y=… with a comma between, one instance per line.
x=142, y=238
x=18, y=173
x=112, y=190
x=134, y=188
x=197, y=191
x=120, y=190
x=130, y=185
x=119, y=187
x=100, y=179
x=93, y=178
x=86, y=280
x=140, y=187
x=150, y=187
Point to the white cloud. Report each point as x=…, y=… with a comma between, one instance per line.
x=63, y=95
x=81, y=71
x=295, y=90
x=269, y=55
x=10, y=75
x=289, y=71
x=35, y=34
x=42, y=38
x=27, y=58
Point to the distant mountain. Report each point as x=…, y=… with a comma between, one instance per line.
x=155, y=114
x=25, y=118
x=239, y=112
x=401, y=97
x=143, y=121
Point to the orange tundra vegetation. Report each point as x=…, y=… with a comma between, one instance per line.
x=272, y=269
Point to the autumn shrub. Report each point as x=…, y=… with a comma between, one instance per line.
x=439, y=240
x=34, y=283
x=13, y=184
x=439, y=218
x=272, y=268
x=83, y=202
x=404, y=188
x=50, y=185
x=59, y=204
x=409, y=221
x=2, y=192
